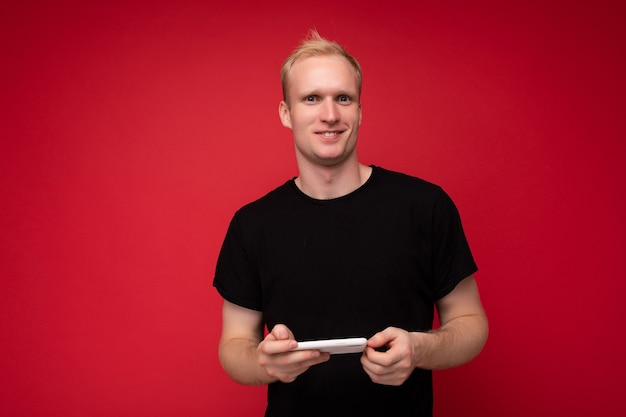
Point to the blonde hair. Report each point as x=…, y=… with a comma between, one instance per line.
x=315, y=45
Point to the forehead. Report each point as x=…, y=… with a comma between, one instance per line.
x=322, y=73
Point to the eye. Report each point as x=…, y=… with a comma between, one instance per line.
x=310, y=99
x=344, y=99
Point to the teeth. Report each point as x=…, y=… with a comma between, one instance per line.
x=329, y=134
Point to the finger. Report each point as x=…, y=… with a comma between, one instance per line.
x=281, y=332
x=379, y=340
x=279, y=346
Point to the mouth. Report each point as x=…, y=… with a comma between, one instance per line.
x=329, y=134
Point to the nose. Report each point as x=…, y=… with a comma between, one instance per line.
x=329, y=112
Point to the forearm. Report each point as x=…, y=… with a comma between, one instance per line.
x=239, y=358
x=453, y=344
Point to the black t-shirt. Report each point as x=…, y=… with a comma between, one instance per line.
x=346, y=267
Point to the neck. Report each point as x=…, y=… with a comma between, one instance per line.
x=325, y=183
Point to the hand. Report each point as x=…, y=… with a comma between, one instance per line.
x=394, y=365
x=278, y=359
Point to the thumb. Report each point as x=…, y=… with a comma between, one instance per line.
x=282, y=332
x=380, y=339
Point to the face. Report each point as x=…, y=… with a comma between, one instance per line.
x=323, y=110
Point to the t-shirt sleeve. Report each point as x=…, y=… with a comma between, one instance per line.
x=452, y=257
x=236, y=279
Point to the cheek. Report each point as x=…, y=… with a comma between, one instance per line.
x=353, y=118
x=302, y=119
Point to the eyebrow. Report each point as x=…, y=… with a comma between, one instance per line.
x=341, y=92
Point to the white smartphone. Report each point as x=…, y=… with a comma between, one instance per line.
x=335, y=346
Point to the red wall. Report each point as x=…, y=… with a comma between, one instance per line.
x=130, y=133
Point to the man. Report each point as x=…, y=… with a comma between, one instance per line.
x=344, y=250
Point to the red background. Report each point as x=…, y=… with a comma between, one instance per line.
x=131, y=132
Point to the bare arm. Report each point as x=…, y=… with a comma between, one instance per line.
x=463, y=331
x=251, y=360
x=460, y=338
x=242, y=330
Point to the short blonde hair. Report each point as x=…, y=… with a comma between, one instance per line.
x=315, y=45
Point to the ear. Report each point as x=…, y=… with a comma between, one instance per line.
x=283, y=113
x=360, y=114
